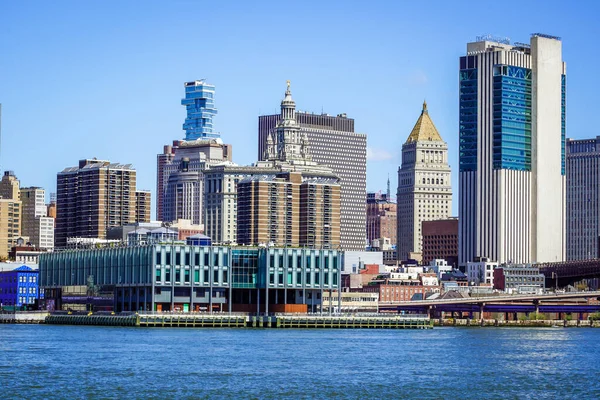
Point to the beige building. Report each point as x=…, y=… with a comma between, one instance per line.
x=10, y=225
x=289, y=209
x=424, y=189
x=142, y=205
x=94, y=196
x=10, y=213
x=9, y=186
x=35, y=224
x=300, y=204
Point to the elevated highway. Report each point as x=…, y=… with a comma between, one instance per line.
x=496, y=299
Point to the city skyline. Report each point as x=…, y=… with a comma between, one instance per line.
x=136, y=80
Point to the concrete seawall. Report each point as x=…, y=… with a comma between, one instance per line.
x=517, y=324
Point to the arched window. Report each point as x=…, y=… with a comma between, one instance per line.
x=437, y=181
x=423, y=181
x=428, y=181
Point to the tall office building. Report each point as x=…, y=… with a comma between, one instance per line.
x=92, y=197
x=333, y=143
x=299, y=205
x=583, y=199
x=200, y=107
x=381, y=217
x=200, y=148
x=424, y=189
x=35, y=224
x=9, y=186
x=512, y=151
x=10, y=213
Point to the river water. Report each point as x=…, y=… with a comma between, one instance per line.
x=46, y=361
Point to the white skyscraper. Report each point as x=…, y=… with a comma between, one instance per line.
x=512, y=151
x=424, y=190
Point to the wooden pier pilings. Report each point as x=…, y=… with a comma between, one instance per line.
x=193, y=320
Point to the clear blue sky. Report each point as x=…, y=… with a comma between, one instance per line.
x=105, y=79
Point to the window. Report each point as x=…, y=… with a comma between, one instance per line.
x=216, y=276
x=186, y=276
x=158, y=275
x=167, y=274
x=206, y=276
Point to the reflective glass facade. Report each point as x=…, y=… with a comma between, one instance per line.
x=512, y=118
x=171, y=277
x=200, y=107
x=468, y=114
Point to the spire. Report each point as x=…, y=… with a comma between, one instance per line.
x=388, y=189
x=424, y=129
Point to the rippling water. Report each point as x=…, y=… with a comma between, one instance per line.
x=48, y=361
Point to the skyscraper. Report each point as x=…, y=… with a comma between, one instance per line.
x=512, y=151
x=333, y=143
x=92, y=197
x=424, y=189
x=10, y=212
x=583, y=199
x=200, y=107
x=201, y=147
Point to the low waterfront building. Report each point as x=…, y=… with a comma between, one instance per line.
x=481, y=272
x=350, y=301
x=24, y=254
x=176, y=277
x=19, y=287
x=519, y=278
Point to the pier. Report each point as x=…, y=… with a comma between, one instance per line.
x=226, y=320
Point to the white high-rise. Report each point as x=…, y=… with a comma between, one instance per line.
x=512, y=151
x=424, y=189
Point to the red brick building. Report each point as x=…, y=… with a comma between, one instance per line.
x=381, y=217
x=440, y=240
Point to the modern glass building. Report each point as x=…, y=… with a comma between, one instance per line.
x=194, y=278
x=200, y=107
x=512, y=150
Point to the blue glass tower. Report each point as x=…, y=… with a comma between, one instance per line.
x=200, y=107
x=512, y=128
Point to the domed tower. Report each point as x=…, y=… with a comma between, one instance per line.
x=286, y=142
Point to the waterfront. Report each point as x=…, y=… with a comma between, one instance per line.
x=111, y=362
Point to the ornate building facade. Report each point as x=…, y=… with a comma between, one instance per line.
x=424, y=189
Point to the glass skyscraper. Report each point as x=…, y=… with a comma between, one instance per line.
x=200, y=107
x=512, y=150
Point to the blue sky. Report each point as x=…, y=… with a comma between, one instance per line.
x=105, y=79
